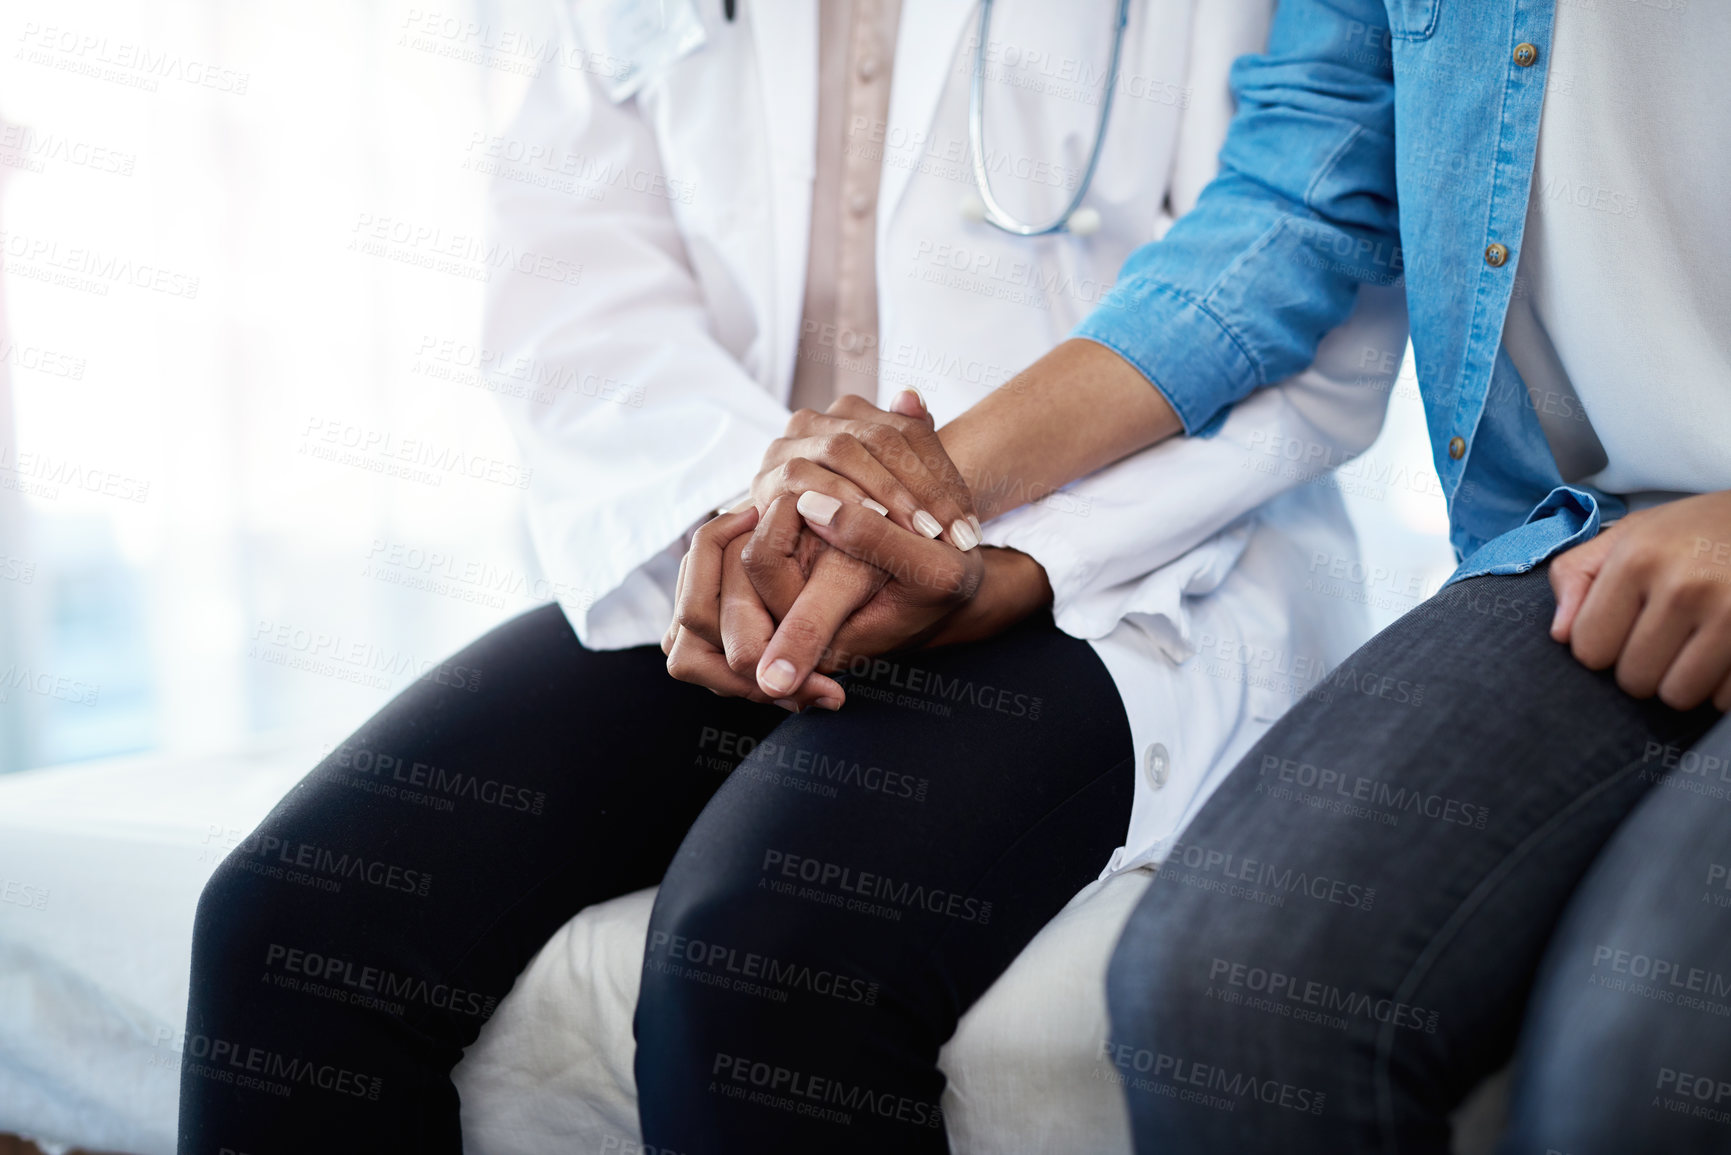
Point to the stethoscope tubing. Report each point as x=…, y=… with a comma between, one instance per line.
x=991, y=211
x=995, y=214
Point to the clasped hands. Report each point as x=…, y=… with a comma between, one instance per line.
x=859, y=538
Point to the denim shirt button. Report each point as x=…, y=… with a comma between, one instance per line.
x=1496, y=254
x=1457, y=448
x=1525, y=55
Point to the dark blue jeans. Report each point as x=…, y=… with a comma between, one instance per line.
x=1627, y=1045
x=1343, y=945
x=836, y=889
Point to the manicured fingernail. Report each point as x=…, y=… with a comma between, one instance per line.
x=926, y=524
x=817, y=507
x=828, y=703
x=1557, y=620
x=788, y=704
x=975, y=522
x=880, y=510
x=918, y=401
x=963, y=535
x=777, y=677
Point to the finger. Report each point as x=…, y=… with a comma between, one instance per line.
x=1572, y=574
x=1607, y=614
x=905, y=440
x=884, y=468
x=802, y=422
x=921, y=433
x=909, y=403
x=932, y=570
x=745, y=624
x=746, y=629
x=672, y=633
x=699, y=604
x=802, y=425
x=1655, y=642
x=919, y=463
x=1701, y=667
x=696, y=661
x=818, y=691
x=1722, y=696
x=776, y=559
x=774, y=562
x=886, y=490
x=796, y=475
x=838, y=586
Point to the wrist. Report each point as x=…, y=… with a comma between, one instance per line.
x=1077, y=409
x=1012, y=586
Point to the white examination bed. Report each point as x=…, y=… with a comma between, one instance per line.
x=100, y=870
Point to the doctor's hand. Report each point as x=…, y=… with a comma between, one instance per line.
x=1652, y=596
x=891, y=461
x=720, y=626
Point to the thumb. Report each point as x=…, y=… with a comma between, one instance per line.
x=1572, y=575
x=909, y=404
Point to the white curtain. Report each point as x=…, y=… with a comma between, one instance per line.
x=245, y=397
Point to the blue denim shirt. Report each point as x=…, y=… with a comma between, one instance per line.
x=1376, y=141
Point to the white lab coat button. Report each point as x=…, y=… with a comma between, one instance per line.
x=1156, y=765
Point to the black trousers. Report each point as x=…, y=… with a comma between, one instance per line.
x=870, y=872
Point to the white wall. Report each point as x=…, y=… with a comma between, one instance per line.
x=185, y=305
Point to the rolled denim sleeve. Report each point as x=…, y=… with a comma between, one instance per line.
x=1240, y=292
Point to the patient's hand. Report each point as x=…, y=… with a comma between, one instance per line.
x=897, y=592
x=927, y=594
x=720, y=625
x=745, y=574
x=1652, y=595
x=735, y=585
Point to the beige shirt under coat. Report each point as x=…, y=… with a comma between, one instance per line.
x=838, y=342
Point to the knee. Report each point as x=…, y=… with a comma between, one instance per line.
x=709, y=920
x=1191, y=968
x=249, y=917
x=235, y=911
x=1584, y=1089
x=1603, y=1070
x=716, y=931
x=1143, y=981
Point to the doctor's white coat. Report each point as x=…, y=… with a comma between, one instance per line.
x=1192, y=567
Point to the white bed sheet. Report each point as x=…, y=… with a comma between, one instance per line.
x=94, y=967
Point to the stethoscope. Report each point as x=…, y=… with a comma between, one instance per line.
x=983, y=206
x=1074, y=219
